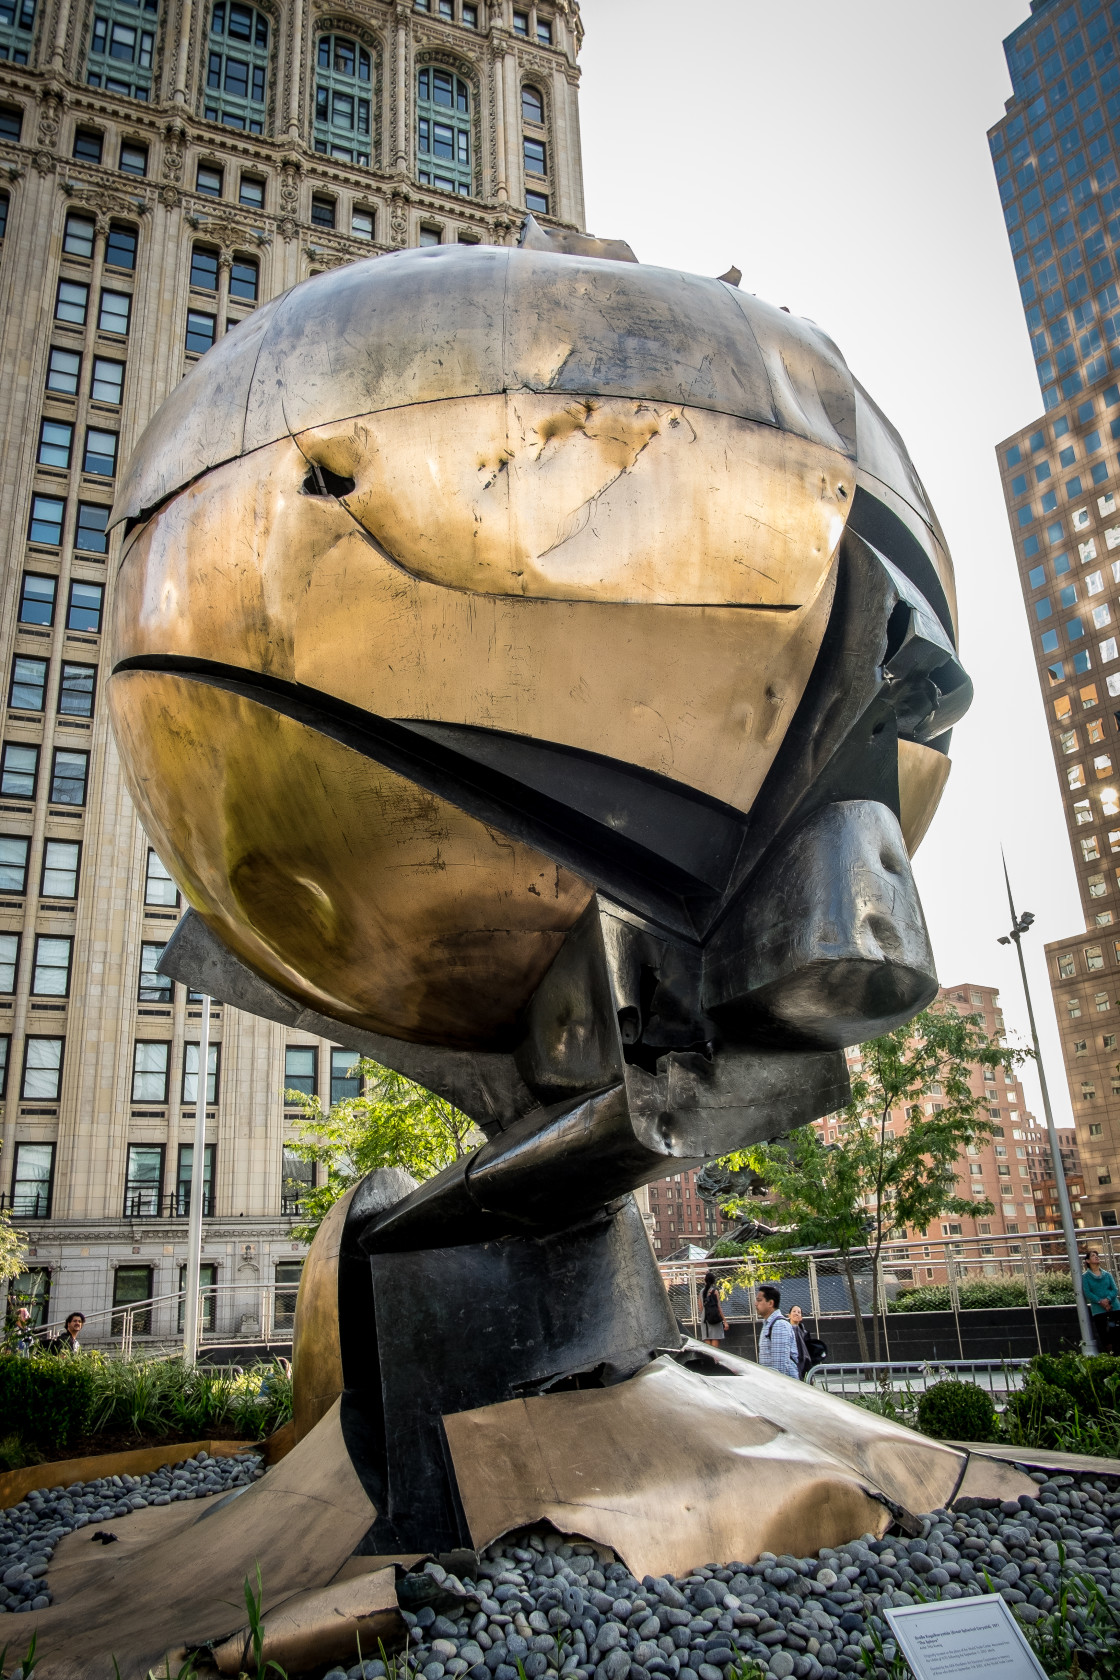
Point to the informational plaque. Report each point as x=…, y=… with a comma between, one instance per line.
x=956, y=1637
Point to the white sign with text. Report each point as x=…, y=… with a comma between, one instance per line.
x=957, y=1638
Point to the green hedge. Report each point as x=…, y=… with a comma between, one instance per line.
x=957, y=1411
x=1054, y=1290
x=45, y=1401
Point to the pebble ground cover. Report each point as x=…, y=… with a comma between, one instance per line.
x=539, y=1606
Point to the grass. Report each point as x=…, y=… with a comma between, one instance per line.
x=140, y=1402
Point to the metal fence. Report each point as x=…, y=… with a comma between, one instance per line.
x=229, y=1314
x=1000, y=1377
x=953, y=1273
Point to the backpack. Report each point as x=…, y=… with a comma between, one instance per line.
x=713, y=1313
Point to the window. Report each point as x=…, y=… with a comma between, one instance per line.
x=251, y=192
x=121, y=246
x=108, y=380
x=45, y=524
x=33, y=1180
x=209, y=180
x=87, y=145
x=113, y=315
x=11, y=122
x=71, y=302
x=237, y=67
x=244, y=279
x=42, y=1069
x=521, y=24
x=60, y=869
x=190, y=1073
x=150, y=1064
x=301, y=1068
x=153, y=987
x=56, y=441
x=534, y=156
x=532, y=110
x=132, y=1284
x=286, y=1293
x=183, y=1191
x=143, y=1189
x=50, y=974
x=204, y=268
x=342, y=99
x=121, y=47
x=68, y=777
x=9, y=962
x=84, y=610
x=1096, y=1129
x=17, y=20
x=298, y=1178
x=92, y=534
x=1101, y=1002
x=19, y=766
x=36, y=602
x=362, y=224
x=429, y=236
x=544, y=32
x=1094, y=957
x=64, y=369
x=159, y=888
x=200, y=331
x=100, y=459
x=134, y=158
x=470, y=17
x=443, y=132
x=345, y=1081
x=13, y=863
x=207, y=1271
x=1089, y=849
x=29, y=681
x=322, y=211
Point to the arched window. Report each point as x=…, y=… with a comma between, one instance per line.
x=443, y=132
x=534, y=150
x=237, y=69
x=121, y=46
x=17, y=20
x=342, y=99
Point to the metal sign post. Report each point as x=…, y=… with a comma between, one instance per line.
x=198, y=1169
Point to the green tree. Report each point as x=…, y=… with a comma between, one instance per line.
x=394, y=1123
x=880, y=1177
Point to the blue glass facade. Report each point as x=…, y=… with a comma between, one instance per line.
x=1056, y=155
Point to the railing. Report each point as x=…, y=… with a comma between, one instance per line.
x=1000, y=1377
x=229, y=1314
x=1034, y=1267
x=142, y=1204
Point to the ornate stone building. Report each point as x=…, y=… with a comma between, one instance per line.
x=165, y=166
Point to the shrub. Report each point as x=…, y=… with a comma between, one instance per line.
x=164, y=1397
x=957, y=1411
x=1054, y=1289
x=1038, y=1415
x=46, y=1401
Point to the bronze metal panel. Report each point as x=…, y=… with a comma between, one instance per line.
x=674, y=1469
x=989, y=1477
x=922, y=774
x=181, y=1583
x=420, y=325
x=597, y=499
x=316, y=1351
x=243, y=570
x=337, y=1623
x=275, y=834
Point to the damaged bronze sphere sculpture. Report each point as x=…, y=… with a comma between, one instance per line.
x=536, y=669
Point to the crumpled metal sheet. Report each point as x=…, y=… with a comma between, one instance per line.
x=333, y=1624
x=674, y=1468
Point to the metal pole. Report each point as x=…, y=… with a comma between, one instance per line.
x=1015, y=937
x=194, y=1232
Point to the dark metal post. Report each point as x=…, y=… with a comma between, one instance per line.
x=1019, y=926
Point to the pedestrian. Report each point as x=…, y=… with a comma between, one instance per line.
x=68, y=1342
x=801, y=1337
x=1102, y=1298
x=777, y=1346
x=711, y=1311
x=24, y=1341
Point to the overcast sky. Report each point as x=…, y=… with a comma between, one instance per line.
x=838, y=156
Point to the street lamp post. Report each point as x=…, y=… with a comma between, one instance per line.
x=1019, y=926
x=198, y=1190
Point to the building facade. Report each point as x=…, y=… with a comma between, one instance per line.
x=165, y=167
x=1056, y=153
